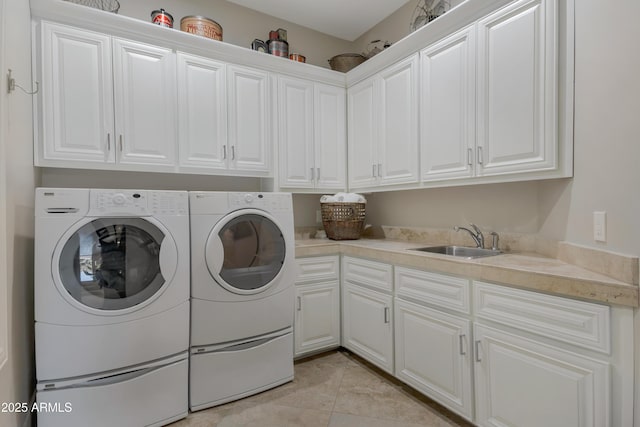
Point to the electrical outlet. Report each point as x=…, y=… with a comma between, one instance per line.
x=318, y=217
x=600, y=226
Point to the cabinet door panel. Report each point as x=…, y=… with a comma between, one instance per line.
x=367, y=325
x=517, y=75
x=448, y=107
x=330, y=136
x=398, y=141
x=362, y=134
x=202, y=112
x=77, y=95
x=317, y=322
x=295, y=143
x=145, y=96
x=521, y=382
x=249, y=128
x=433, y=355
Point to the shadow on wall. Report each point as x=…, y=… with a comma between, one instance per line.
x=508, y=207
x=554, y=208
x=22, y=340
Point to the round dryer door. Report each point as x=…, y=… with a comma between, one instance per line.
x=115, y=264
x=245, y=251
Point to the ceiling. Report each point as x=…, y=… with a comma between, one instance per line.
x=347, y=20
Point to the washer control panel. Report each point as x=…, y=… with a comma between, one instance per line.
x=274, y=202
x=139, y=202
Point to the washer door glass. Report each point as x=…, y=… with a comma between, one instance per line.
x=254, y=252
x=112, y=263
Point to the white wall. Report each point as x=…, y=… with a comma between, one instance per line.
x=607, y=126
x=241, y=26
x=395, y=27
x=17, y=376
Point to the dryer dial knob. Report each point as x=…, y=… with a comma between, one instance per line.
x=248, y=198
x=119, y=199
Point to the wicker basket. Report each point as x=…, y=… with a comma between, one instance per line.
x=342, y=220
x=346, y=61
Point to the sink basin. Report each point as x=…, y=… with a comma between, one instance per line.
x=459, y=251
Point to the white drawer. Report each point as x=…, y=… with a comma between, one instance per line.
x=369, y=273
x=318, y=269
x=438, y=289
x=575, y=322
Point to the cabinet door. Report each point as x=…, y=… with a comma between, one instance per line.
x=145, y=98
x=433, y=355
x=448, y=107
x=295, y=144
x=367, y=325
x=362, y=134
x=398, y=140
x=202, y=113
x=77, y=96
x=330, y=144
x=517, y=85
x=317, y=321
x=520, y=382
x=249, y=128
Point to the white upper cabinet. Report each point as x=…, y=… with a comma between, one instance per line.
x=297, y=166
x=447, y=114
x=77, y=96
x=223, y=117
x=202, y=113
x=383, y=127
x=363, y=134
x=398, y=135
x=105, y=101
x=330, y=136
x=249, y=130
x=517, y=89
x=312, y=136
x=145, y=95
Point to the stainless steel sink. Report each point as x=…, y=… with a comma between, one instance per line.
x=459, y=251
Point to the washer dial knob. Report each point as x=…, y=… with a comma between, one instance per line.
x=248, y=198
x=119, y=199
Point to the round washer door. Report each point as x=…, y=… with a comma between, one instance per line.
x=245, y=251
x=112, y=266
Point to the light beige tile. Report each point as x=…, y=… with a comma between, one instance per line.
x=366, y=393
x=272, y=415
x=315, y=384
x=345, y=420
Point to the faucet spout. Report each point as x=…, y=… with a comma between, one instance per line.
x=476, y=235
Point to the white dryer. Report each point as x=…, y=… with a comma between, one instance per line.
x=242, y=296
x=112, y=305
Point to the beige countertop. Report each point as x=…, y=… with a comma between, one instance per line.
x=520, y=269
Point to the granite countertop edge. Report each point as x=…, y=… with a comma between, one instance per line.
x=529, y=271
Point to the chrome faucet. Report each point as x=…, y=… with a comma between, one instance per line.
x=494, y=243
x=477, y=236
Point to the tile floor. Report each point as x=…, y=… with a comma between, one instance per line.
x=334, y=389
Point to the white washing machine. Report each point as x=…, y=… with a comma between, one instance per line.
x=242, y=296
x=112, y=306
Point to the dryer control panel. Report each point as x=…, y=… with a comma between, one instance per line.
x=138, y=202
x=273, y=202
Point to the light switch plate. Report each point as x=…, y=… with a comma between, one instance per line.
x=600, y=226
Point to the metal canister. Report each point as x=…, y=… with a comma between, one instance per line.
x=162, y=18
x=201, y=26
x=278, y=48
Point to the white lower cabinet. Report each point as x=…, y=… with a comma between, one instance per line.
x=317, y=322
x=317, y=319
x=433, y=355
x=522, y=382
x=367, y=328
x=495, y=355
x=367, y=314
